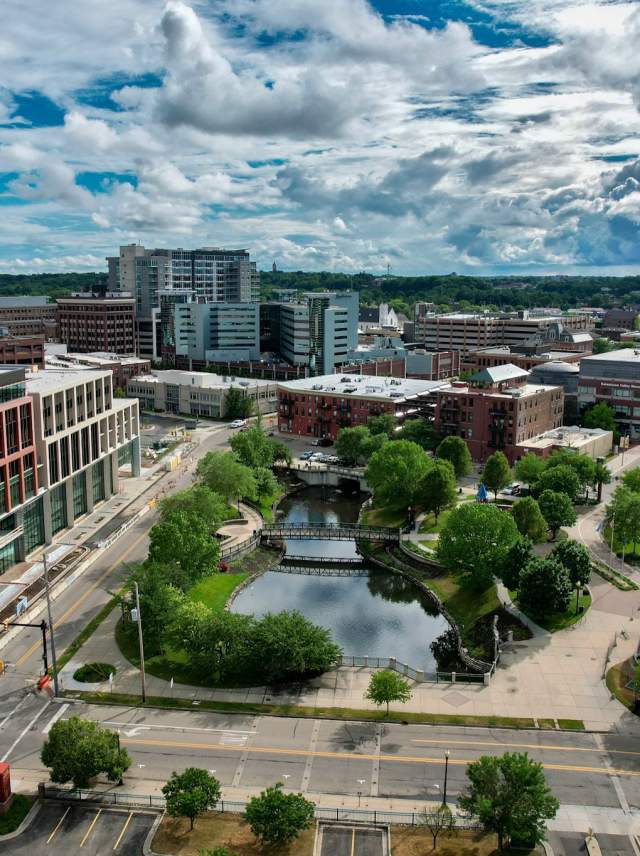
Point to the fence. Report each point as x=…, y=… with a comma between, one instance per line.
x=240, y=549
x=417, y=675
x=369, y=816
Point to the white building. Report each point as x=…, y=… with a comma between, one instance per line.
x=198, y=393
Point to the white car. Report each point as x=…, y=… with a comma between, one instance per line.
x=238, y=423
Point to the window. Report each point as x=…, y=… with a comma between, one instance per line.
x=33, y=526
x=54, y=475
x=79, y=495
x=75, y=451
x=58, y=509
x=25, y=425
x=97, y=481
x=64, y=457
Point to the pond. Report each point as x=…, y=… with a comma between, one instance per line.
x=379, y=615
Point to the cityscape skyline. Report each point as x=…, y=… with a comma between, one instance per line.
x=481, y=137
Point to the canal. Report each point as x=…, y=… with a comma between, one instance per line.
x=380, y=614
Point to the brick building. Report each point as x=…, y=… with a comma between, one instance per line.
x=503, y=355
x=29, y=316
x=90, y=322
x=321, y=406
x=21, y=350
x=613, y=378
x=498, y=410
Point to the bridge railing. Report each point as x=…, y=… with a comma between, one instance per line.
x=417, y=675
x=358, y=528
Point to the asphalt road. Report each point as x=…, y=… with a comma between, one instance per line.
x=333, y=757
x=65, y=829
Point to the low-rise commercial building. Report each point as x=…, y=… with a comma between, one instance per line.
x=123, y=368
x=594, y=442
x=21, y=350
x=498, y=410
x=198, y=393
x=321, y=406
x=621, y=318
x=29, y=316
x=90, y=322
x=613, y=378
x=503, y=354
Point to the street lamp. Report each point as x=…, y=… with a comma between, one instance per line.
x=361, y=782
x=53, y=645
x=446, y=772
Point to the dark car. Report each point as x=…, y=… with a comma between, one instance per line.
x=325, y=441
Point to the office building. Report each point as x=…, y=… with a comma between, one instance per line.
x=503, y=354
x=209, y=332
x=90, y=322
x=320, y=330
x=123, y=368
x=198, y=393
x=566, y=375
x=21, y=350
x=498, y=410
x=621, y=319
x=321, y=406
x=29, y=316
x=63, y=441
x=613, y=378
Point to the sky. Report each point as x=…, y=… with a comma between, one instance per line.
x=476, y=136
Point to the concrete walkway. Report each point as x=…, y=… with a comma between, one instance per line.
x=236, y=532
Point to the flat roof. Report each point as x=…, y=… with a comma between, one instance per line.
x=509, y=394
x=497, y=374
x=202, y=380
x=25, y=300
x=626, y=355
x=362, y=386
x=47, y=380
x=569, y=436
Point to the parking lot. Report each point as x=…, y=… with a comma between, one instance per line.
x=61, y=829
x=352, y=841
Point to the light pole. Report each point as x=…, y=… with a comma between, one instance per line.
x=361, y=782
x=140, y=642
x=54, y=663
x=446, y=772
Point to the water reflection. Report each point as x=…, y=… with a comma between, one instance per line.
x=380, y=615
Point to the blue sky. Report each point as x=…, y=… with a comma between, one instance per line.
x=489, y=136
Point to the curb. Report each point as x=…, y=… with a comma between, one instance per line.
x=147, y=848
x=26, y=822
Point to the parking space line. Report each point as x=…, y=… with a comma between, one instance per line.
x=25, y=729
x=93, y=823
x=353, y=841
x=58, y=825
x=56, y=716
x=124, y=829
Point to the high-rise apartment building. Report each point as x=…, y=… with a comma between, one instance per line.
x=98, y=322
x=210, y=332
x=319, y=331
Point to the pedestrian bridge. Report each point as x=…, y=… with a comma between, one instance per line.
x=329, y=531
x=318, y=566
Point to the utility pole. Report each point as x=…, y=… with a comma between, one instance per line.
x=56, y=687
x=446, y=771
x=142, y=676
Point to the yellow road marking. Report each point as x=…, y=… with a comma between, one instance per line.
x=81, y=600
x=93, y=823
x=526, y=746
x=124, y=829
x=58, y=824
x=353, y=841
x=347, y=756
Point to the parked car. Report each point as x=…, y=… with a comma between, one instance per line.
x=238, y=423
x=325, y=441
x=306, y=455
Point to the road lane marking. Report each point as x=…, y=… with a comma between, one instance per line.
x=120, y=724
x=539, y=746
x=15, y=710
x=353, y=841
x=349, y=756
x=36, y=645
x=124, y=829
x=615, y=781
x=93, y=823
x=25, y=729
x=56, y=716
x=58, y=825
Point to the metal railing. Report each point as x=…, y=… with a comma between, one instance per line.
x=376, y=817
x=343, y=531
x=418, y=675
x=241, y=548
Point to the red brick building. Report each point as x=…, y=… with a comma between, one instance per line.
x=498, y=411
x=90, y=322
x=321, y=406
x=22, y=351
x=503, y=355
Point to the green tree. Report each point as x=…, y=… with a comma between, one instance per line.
x=199, y=500
x=575, y=558
x=631, y=479
x=557, y=509
x=583, y=466
x=496, y=473
x=352, y=444
x=394, y=473
x=517, y=557
x=266, y=482
x=252, y=447
x=387, y=686
x=475, y=539
x=510, y=797
x=238, y=405
x=160, y=599
x=437, y=488
x=277, y=818
x=184, y=539
x=280, y=452
x=421, y=432
x=191, y=793
x=623, y=517
x=439, y=821
x=288, y=645
x=455, y=450
x=529, y=519
x=385, y=423
x=601, y=346
x=224, y=474
x=219, y=851
x=601, y=475
x=529, y=468
x=561, y=479
x=601, y=415
x=544, y=588
x=445, y=651
x=76, y=750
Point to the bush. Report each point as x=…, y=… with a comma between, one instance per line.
x=94, y=673
x=276, y=818
x=544, y=588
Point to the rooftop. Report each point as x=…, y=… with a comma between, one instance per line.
x=46, y=380
x=19, y=300
x=204, y=380
x=623, y=355
x=363, y=386
x=499, y=374
x=569, y=437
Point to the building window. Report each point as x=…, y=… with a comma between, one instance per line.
x=8, y=557
x=79, y=495
x=25, y=425
x=54, y=475
x=58, y=509
x=97, y=481
x=29, y=477
x=11, y=428
x=14, y=483
x=64, y=457
x=33, y=526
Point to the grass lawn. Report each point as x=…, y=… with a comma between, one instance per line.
x=631, y=551
x=266, y=502
x=617, y=677
x=412, y=841
x=214, y=591
x=222, y=830
x=384, y=517
x=562, y=620
x=466, y=605
x=12, y=819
